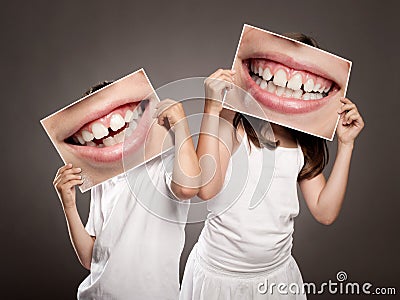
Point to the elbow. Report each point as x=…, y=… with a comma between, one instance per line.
x=327, y=220
x=85, y=264
x=184, y=193
x=204, y=195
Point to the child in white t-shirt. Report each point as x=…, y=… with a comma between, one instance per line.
x=132, y=252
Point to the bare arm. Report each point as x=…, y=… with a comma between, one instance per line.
x=186, y=171
x=325, y=198
x=65, y=181
x=215, y=139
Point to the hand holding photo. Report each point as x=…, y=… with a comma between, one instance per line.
x=113, y=120
x=296, y=84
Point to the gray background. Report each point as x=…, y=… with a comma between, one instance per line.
x=52, y=51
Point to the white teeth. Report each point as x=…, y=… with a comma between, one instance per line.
x=267, y=75
x=119, y=138
x=80, y=139
x=132, y=125
x=109, y=141
x=271, y=87
x=317, y=87
x=297, y=94
x=313, y=96
x=258, y=81
x=252, y=67
x=327, y=89
x=128, y=116
x=116, y=122
x=99, y=130
x=260, y=71
x=306, y=96
x=280, y=78
x=135, y=115
x=321, y=90
x=318, y=96
x=87, y=136
x=129, y=130
x=288, y=93
x=295, y=82
x=280, y=90
x=309, y=85
x=263, y=84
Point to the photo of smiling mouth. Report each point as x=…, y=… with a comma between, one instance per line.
x=101, y=139
x=287, y=89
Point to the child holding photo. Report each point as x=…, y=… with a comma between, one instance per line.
x=132, y=253
x=241, y=248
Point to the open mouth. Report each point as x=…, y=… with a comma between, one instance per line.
x=101, y=139
x=286, y=89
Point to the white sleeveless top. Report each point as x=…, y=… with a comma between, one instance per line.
x=242, y=239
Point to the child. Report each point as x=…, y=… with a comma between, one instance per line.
x=131, y=252
x=242, y=251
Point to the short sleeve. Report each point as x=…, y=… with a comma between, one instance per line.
x=95, y=194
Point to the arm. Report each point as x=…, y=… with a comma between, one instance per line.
x=215, y=139
x=186, y=170
x=325, y=198
x=65, y=181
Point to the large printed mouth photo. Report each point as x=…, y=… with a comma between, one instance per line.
x=95, y=132
x=296, y=85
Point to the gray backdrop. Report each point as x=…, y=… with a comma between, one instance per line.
x=52, y=51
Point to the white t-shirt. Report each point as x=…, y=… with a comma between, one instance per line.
x=137, y=250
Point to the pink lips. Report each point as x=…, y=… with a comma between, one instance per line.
x=114, y=153
x=281, y=104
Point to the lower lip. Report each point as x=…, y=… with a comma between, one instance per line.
x=113, y=153
x=281, y=104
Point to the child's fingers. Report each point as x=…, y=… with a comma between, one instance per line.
x=69, y=177
x=220, y=73
x=354, y=118
x=227, y=77
x=221, y=83
x=160, y=120
x=216, y=73
x=223, y=77
x=345, y=100
x=63, y=168
x=348, y=115
x=163, y=106
x=227, y=74
x=66, y=172
x=345, y=107
x=71, y=171
x=74, y=182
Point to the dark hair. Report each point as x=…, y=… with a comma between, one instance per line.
x=97, y=87
x=315, y=149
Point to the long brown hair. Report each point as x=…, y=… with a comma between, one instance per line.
x=315, y=149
